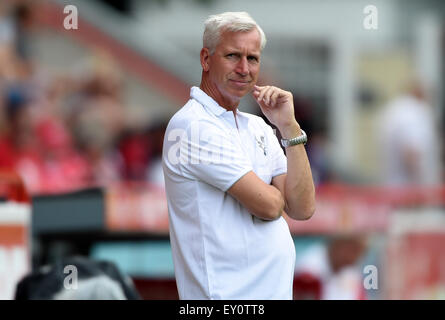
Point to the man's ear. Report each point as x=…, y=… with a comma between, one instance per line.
x=204, y=57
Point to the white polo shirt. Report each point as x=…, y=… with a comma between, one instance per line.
x=220, y=250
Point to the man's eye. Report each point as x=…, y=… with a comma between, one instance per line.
x=254, y=59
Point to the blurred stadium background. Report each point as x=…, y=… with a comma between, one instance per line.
x=82, y=116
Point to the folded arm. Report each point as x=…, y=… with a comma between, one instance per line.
x=261, y=199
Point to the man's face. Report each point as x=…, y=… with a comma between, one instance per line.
x=235, y=64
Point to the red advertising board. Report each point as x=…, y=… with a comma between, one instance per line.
x=415, y=257
x=136, y=207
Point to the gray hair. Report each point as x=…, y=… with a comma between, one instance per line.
x=228, y=21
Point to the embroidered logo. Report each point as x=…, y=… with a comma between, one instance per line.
x=262, y=144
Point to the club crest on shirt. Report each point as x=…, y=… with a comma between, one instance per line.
x=262, y=144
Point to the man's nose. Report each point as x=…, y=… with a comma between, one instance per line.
x=243, y=67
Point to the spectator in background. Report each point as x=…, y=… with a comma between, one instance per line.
x=97, y=120
x=135, y=150
x=331, y=271
x=141, y=152
x=408, y=136
x=16, y=20
x=8, y=60
x=18, y=143
x=65, y=169
x=6, y=26
x=23, y=14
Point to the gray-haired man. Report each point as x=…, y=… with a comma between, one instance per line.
x=228, y=182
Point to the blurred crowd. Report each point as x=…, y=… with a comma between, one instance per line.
x=66, y=131
x=62, y=132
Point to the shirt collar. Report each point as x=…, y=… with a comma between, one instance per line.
x=207, y=101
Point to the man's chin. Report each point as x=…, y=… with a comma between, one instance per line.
x=241, y=92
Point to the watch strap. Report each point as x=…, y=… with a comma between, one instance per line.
x=301, y=139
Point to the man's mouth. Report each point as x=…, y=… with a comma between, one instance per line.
x=240, y=81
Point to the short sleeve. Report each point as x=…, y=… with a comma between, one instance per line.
x=213, y=155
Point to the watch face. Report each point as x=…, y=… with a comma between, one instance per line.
x=284, y=143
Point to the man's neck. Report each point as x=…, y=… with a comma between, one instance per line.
x=216, y=95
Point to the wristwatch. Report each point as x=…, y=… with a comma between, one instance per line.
x=301, y=139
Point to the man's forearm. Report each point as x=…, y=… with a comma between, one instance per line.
x=299, y=190
x=260, y=199
x=296, y=185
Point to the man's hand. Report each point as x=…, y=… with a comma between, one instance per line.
x=278, y=106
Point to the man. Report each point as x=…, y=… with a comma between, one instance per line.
x=409, y=141
x=227, y=180
x=332, y=270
